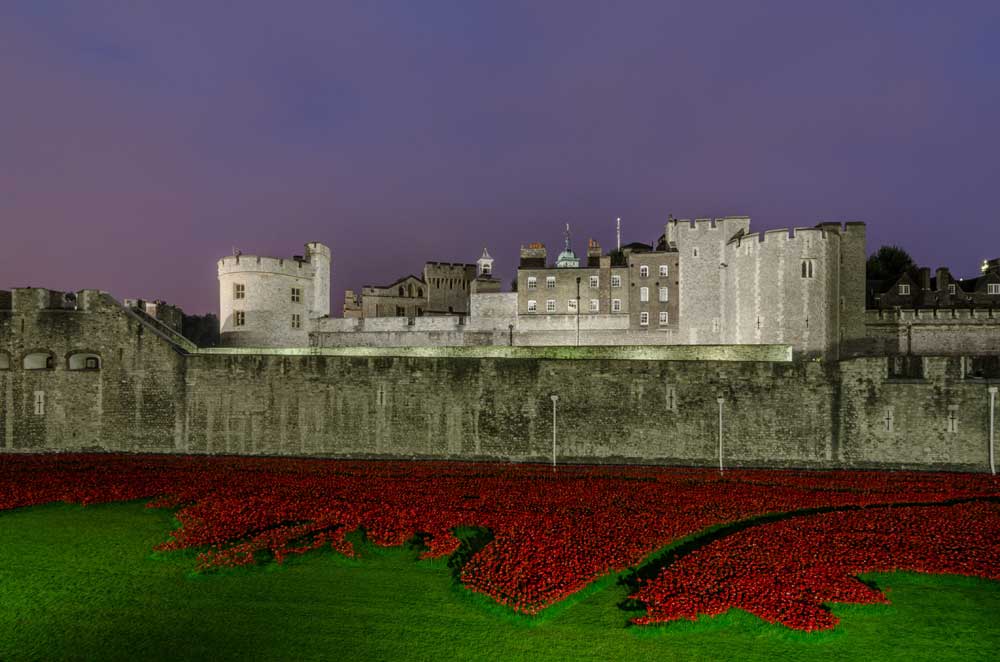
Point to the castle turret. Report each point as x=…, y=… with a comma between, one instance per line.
x=268, y=301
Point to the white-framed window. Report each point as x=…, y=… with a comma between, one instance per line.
x=807, y=268
x=664, y=317
x=595, y=281
x=664, y=270
x=644, y=319
x=239, y=291
x=39, y=403
x=550, y=306
x=532, y=282
x=595, y=306
x=296, y=294
x=904, y=289
x=550, y=281
x=239, y=318
x=993, y=288
x=532, y=305
x=644, y=271
x=616, y=305
x=952, y=288
x=643, y=294
x=571, y=305
x=296, y=321
x=664, y=294
x=616, y=281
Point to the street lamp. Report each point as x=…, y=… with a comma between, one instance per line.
x=720, y=400
x=578, y=310
x=555, y=399
x=993, y=401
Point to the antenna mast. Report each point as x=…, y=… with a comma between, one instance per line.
x=618, y=233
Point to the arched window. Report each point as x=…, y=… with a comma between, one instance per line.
x=39, y=361
x=402, y=291
x=4, y=361
x=84, y=361
x=410, y=290
x=420, y=292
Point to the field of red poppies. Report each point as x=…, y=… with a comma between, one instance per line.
x=554, y=532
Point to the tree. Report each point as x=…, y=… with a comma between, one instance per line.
x=202, y=330
x=888, y=262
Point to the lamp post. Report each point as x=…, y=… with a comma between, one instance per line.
x=555, y=399
x=993, y=403
x=720, y=400
x=578, y=310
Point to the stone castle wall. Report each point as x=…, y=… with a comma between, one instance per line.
x=616, y=404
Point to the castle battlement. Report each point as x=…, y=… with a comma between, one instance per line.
x=297, y=268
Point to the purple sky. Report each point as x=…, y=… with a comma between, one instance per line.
x=139, y=145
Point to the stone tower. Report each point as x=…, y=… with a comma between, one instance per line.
x=268, y=301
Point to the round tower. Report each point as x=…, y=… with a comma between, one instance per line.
x=268, y=301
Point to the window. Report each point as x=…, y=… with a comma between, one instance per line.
x=595, y=306
x=239, y=318
x=550, y=281
x=993, y=288
x=664, y=294
x=616, y=281
x=952, y=418
x=83, y=361
x=902, y=366
x=644, y=271
x=664, y=271
x=889, y=419
x=4, y=362
x=296, y=294
x=616, y=305
x=904, y=289
x=487, y=268
x=38, y=361
x=571, y=306
x=951, y=288
x=807, y=268
x=595, y=281
x=39, y=403
x=643, y=319
x=550, y=306
x=671, y=397
x=643, y=294
x=402, y=291
x=239, y=291
x=664, y=317
x=715, y=325
x=532, y=305
x=296, y=321
x=532, y=282
x=695, y=252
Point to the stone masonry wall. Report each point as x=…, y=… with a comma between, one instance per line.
x=653, y=404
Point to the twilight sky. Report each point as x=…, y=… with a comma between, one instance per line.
x=139, y=144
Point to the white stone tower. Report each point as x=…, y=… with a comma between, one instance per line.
x=269, y=301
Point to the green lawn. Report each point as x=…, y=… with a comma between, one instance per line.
x=83, y=583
